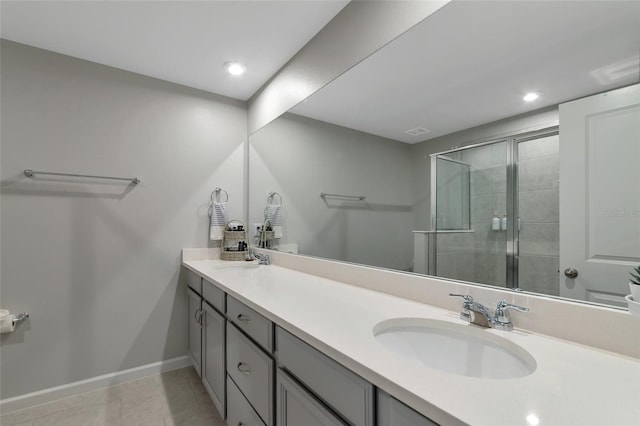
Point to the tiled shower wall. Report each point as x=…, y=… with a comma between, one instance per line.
x=538, y=175
x=455, y=255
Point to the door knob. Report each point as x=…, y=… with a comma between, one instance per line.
x=570, y=273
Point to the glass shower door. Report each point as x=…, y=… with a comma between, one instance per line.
x=477, y=252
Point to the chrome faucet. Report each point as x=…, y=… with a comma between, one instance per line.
x=476, y=313
x=263, y=258
x=263, y=241
x=480, y=315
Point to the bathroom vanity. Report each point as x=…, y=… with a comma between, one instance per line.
x=278, y=346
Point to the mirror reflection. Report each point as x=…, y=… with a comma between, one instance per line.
x=441, y=168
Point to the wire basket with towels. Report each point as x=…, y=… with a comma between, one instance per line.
x=234, y=242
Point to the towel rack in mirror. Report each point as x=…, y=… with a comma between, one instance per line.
x=32, y=173
x=351, y=197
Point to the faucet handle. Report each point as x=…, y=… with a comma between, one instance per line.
x=465, y=314
x=466, y=297
x=504, y=305
x=502, y=318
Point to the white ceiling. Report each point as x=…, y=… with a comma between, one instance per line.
x=471, y=62
x=185, y=42
x=467, y=64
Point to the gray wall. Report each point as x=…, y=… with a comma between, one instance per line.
x=96, y=264
x=300, y=158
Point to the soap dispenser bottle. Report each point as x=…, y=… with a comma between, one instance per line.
x=495, y=222
x=503, y=222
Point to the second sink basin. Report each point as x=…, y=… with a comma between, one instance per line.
x=453, y=348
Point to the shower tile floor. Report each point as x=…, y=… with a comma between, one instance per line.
x=174, y=398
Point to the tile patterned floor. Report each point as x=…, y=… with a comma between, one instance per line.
x=175, y=398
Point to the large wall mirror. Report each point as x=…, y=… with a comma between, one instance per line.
x=425, y=158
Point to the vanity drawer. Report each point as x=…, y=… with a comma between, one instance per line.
x=194, y=281
x=239, y=412
x=392, y=412
x=213, y=295
x=344, y=391
x=255, y=325
x=252, y=371
x=297, y=407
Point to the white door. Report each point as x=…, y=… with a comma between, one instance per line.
x=600, y=195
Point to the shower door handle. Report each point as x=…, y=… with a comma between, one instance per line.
x=570, y=273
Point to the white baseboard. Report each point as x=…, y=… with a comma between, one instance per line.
x=48, y=395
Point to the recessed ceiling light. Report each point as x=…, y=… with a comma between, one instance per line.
x=531, y=96
x=533, y=420
x=235, y=68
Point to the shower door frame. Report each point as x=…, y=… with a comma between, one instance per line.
x=512, y=255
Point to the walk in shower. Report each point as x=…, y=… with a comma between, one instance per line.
x=495, y=212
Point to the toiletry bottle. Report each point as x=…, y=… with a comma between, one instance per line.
x=503, y=223
x=495, y=222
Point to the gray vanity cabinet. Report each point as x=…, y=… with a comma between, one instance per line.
x=207, y=336
x=392, y=412
x=195, y=329
x=231, y=347
x=252, y=370
x=296, y=407
x=213, y=360
x=239, y=411
x=250, y=322
x=345, y=392
x=194, y=281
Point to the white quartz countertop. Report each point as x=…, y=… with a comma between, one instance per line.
x=572, y=385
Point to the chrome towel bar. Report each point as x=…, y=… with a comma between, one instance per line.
x=20, y=317
x=351, y=197
x=32, y=173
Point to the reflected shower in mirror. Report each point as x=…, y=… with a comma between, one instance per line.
x=490, y=212
x=452, y=194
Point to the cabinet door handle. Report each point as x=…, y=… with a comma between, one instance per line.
x=244, y=368
x=199, y=314
x=243, y=318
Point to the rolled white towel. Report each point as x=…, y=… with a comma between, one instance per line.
x=6, y=321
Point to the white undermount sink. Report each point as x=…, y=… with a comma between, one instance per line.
x=454, y=348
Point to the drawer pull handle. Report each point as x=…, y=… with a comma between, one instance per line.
x=244, y=368
x=243, y=318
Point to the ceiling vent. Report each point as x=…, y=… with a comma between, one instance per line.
x=417, y=131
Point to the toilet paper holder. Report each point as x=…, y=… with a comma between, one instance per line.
x=20, y=317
